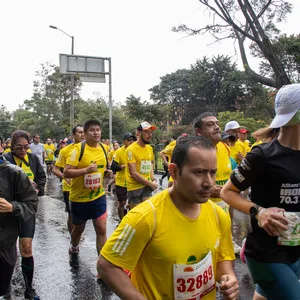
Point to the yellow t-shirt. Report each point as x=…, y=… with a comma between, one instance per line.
x=119, y=157
x=49, y=150
x=244, y=146
x=143, y=158
x=111, y=155
x=83, y=187
x=106, y=147
x=25, y=167
x=256, y=143
x=234, y=151
x=61, y=162
x=223, y=171
x=146, y=244
x=168, y=150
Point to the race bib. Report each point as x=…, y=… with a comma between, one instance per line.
x=194, y=281
x=92, y=181
x=291, y=237
x=145, y=167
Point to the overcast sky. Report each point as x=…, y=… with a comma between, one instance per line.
x=136, y=34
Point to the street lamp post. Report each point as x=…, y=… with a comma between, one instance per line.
x=72, y=79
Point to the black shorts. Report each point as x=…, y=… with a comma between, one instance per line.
x=66, y=200
x=121, y=192
x=139, y=195
x=49, y=162
x=27, y=228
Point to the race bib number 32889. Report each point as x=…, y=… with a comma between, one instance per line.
x=195, y=280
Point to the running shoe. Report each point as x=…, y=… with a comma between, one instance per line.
x=31, y=294
x=73, y=259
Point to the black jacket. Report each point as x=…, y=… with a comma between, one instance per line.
x=16, y=188
x=36, y=168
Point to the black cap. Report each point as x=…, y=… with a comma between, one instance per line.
x=225, y=136
x=129, y=135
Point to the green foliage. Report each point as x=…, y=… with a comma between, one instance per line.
x=6, y=124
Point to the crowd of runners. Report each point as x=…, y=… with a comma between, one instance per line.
x=176, y=243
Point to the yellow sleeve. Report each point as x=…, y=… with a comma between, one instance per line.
x=126, y=244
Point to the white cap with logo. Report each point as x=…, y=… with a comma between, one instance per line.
x=287, y=104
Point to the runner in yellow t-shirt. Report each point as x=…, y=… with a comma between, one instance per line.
x=166, y=155
x=49, y=160
x=139, y=166
x=77, y=137
x=86, y=165
x=186, y=265
x=118, y=166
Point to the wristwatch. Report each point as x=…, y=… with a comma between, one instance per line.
x=253, y=211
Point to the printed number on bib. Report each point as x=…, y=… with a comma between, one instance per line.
x=92, y=181
x=194, y=281
x=145, y=167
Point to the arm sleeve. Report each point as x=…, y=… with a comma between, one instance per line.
x=250, y=167
x=115, y=167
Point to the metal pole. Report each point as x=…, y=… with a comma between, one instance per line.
x=110, y=100
x=72, y=92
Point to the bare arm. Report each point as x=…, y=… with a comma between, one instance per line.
x=269, y=219
x=72, y=172
x=139, y=178
x=56, y=171
x=117, y=280
x=164, y=158
x=229, y=286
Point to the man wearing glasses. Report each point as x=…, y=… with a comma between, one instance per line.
x=38, y=149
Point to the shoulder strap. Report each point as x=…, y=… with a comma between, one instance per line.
x=107, y=165
x=81, y=150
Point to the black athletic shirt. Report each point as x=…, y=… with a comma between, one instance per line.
x=273, y=172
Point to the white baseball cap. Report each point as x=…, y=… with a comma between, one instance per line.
x=232, y=125
x=287, y=103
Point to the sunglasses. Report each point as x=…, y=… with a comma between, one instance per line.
x=20, y=147
x=130, y=139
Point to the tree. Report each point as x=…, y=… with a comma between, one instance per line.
x=209, y=85
x=248, y=20
x=5, y=122
x=288, y=51
x=50, y=102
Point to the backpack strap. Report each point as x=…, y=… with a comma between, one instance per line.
x=107, y=164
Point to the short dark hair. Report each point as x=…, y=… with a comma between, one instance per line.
x=89, y=123
x=75, y=128
x=183, y=145
x=19, y=134
x=199, y=120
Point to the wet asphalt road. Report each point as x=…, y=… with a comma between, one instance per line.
x=54, y=279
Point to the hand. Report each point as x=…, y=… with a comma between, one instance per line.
x=229, y=287
x=240, y=156
x=68, y=181
x=272, y=221
x=92, y=168
x=5, y=206
x=154, y=185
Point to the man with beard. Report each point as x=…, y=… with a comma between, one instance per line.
x=139, y=158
